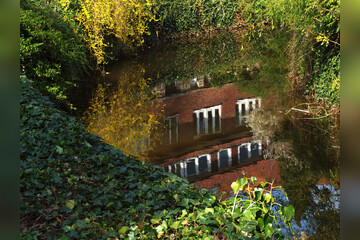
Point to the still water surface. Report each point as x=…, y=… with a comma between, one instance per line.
x=215, y=108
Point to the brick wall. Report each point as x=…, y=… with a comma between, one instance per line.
x=264, y=170
x=184, y=104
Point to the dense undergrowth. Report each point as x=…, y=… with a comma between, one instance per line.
x=315, y=45
x=74, y=186
x=51, y=53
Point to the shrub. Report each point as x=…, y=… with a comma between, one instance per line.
x=50, y=52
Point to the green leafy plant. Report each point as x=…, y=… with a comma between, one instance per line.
x=50, y=52
x=255, y=212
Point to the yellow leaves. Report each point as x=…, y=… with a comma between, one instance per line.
x=127, y=20
x=128, y=116
x=323, y=39
x=336, y=84
x=64, y=3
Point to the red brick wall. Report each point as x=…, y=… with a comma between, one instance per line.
x=264, y=170
x=188, y=102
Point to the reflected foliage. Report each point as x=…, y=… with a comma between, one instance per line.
x=261, y=67
x=315, y=157
x=265, y=124
x=307, y=151
x=191, y=57
x=225, y=57
x=182, y=16
x=323, y=216
x=127, y=115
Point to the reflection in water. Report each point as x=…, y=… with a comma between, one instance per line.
x=215, y=159
x=207, y=120
x=315, y=156
x=200, y=119
x=306, y=152
x=211, y=92
x=128, y=116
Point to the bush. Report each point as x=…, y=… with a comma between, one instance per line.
x=50, y=52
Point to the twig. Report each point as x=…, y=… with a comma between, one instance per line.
x=300, y=110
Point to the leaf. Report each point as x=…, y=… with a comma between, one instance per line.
x=123, y=230
x=87, y=144
x=209, y=210
x=155, y=220
x=70, y=204
x=269, y=230
x=175, y=225
x=80, y=223
x=248, y=215
x=59, y=150
x=176, y=197
x=235, y=186
x=267, y=197
x=254, y=180
x=260, y=223
x=242, y=182
x=63, y=237
x=183, y=213
x=288, y=211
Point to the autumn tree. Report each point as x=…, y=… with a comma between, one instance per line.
x=127, y=20
x=129, y=117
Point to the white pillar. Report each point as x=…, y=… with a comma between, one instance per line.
x=229, y=156
x=182, y=170
x=197, y=166
x=209, y=162
x=260, y=150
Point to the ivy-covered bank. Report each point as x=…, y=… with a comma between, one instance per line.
x=73, y=186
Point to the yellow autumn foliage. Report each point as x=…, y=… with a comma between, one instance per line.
x=130, y=118
x=127, y=20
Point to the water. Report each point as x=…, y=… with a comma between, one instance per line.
x=215, y=108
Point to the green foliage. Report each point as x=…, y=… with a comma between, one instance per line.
x=326, y=79
x=179, y=16
x=315, y=47
x=73, y=186
x=251, y=212
x=50, y=52
x=259, y=66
